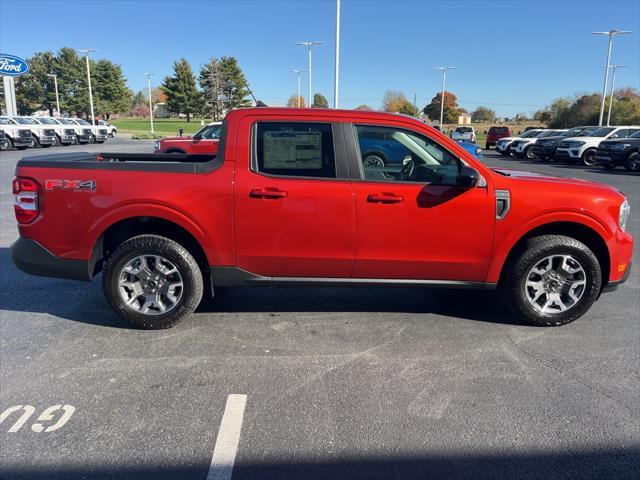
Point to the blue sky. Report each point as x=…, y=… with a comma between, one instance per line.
x=513, y=56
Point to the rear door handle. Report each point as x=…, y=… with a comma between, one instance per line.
x=268, y=193
x=385, y=198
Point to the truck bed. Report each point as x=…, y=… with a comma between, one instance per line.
x=150, y=162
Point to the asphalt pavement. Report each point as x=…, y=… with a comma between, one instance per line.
x=315, y=383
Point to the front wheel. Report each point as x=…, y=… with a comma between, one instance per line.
x=553, y=280
x=589, y=157
x=6, y=145
x=633, y=162
x=152, y=282
x=528, y=153
x=373, y=160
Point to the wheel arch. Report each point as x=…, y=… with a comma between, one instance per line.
x=379, y=153
x=174, y=150
x=579, y=231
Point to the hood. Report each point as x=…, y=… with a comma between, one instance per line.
x=177, y=139
x=632, y=141
x=519, y=175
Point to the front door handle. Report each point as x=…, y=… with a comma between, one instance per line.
x=268, y=193
x=385, y=198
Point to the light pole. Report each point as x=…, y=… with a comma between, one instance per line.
x=337, y=57
x=444, y=80
x=298, y=72
x=309, y=45
x=86, y=52
x=613, y=85
x=55, y=84
x=610, y=34
x=148, y=75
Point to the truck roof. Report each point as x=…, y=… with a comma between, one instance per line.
x=317, y=112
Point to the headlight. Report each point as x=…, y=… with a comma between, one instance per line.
x=620, y=146
x=625, y=211
x=577, y=144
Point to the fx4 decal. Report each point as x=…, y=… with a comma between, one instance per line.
x=74, y=185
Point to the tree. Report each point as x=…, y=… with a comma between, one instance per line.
x=111, y=94
x=451, y=110
x=585, y=110
x=319, y=101
x=35, y=90
x=181, y=91
x=483, y=114
x=293, y=101
x=139, y=99
x=363, y=107
x=393, y=101
x=224, y=86
x=141, y=110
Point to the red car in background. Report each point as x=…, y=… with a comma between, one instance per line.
x=205, y=141
x=495, y=134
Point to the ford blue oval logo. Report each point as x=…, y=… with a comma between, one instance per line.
x=12, y=66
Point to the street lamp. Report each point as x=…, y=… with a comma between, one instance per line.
x=309, y=45
x=610, y=34
x=337, y=57
x=444, y=79
x=55, y=84
x=148, y=75
x=613, y=84
x=298, y=72
x=86, y=52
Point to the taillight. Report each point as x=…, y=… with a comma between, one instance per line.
x=25, y=199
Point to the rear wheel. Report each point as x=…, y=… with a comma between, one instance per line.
x=551, y=281
x=374, y=160
x=152, y=282
x=633, y=162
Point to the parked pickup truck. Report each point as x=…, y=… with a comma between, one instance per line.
x=41, y=134
x=289, y=201
x=16, y=135
x=204, y=141
x=65, y=135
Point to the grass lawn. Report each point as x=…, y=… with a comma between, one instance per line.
x=166, y=126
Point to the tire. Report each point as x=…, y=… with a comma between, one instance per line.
x=7, y=144
x=516, y=293
x=187, y=273
x=33, y=143
x=92, y=139
x=487, y=146
x=633, y=162
x=528, y=153
x=374, y=160
x=589, y=157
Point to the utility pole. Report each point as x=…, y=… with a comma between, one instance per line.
x=610, y=34
x=86, y=52
x=55, y=84
x=298, y=72
x=613, y=85
x=444, y=80
x=415, y=107
x=309, y=45
x=336, y=78
x=148, y=75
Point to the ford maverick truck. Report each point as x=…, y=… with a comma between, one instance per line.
x=290, y=200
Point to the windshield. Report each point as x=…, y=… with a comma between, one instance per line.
x=635, y=135
x=66, y=121
x=530, y=133
x=547, y=133
x=464, y=130
x=498, y=130
x=81, y=121
x=25, y=121
x=210, y=132
x=599, y=132
x=45, y=121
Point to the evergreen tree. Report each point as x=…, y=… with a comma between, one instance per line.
x=111, y=94
x=319, y=101
x=181, y=91
x=224, y=86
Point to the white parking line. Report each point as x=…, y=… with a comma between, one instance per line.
x=224, y=453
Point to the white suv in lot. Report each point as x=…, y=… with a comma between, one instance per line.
x=503, y=146
x=42, y=135
x=583, y=147
x=16, y=135
x=521, y=148
x=464, y=134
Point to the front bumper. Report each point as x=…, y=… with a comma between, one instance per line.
x=48, y=140
x=31, y=257
x=542, y=151
x=67, y=139
x=84, y=138
x=611, y=157
x=101, y=138
x=572, y=154
x=613, y=286
x=22, y=141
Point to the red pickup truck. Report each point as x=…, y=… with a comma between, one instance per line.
x=204, y=141
x=289, y=201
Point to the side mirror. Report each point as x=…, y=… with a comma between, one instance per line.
x=468, y=177
x=181, y=131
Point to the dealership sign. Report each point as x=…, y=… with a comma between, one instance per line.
x=12, y=66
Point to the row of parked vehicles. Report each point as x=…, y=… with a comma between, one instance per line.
x=608, y=147
x=29, y=132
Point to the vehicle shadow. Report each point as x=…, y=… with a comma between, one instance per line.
x=84, y=302
x=586, y=465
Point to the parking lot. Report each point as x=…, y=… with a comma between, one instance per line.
x=339, y=383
